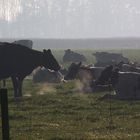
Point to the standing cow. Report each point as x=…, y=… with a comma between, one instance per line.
x=26, y=43
x=17, y=61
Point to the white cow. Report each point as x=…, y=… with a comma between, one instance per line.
x=42, y=74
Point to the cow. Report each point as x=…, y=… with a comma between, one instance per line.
x=77, y=70
x=41, y=75
x=105, y=58
x=85, y=74
x=71, y=56
x=17, y=61
x=125, y=84
x=128, y=67
x=27, y=43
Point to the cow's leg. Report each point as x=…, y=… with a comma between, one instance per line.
x=4, y=82
x=20, y=81
x=15, y=85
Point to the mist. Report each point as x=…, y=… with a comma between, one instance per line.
x=69, y=18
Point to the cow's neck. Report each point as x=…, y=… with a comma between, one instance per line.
x=38, y=59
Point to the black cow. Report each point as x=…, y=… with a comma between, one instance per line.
x=72, y=71
x=104, y=58
x=27, y=43
x=87, y=75
x=105, y=75
x=125, y=84
x=71, y=56
x=130, y=67
x=83, y=72
x=17, y=61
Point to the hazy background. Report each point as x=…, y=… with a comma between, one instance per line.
x=69, y=18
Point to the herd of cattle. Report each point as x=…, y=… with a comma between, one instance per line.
x=124, y=79
x=18, y=59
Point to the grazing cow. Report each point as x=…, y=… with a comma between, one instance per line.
x=44, y=75
x=125, y=84
x=17, y=61
x=71, y=56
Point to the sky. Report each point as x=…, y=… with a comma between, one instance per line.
x=69, y=18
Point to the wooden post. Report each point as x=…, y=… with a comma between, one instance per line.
x=4, y=114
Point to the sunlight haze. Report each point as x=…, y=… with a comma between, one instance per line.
x=69, y=18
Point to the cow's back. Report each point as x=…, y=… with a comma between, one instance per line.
x=17, y=53
x=14, y=59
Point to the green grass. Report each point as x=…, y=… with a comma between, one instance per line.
x=57, y=112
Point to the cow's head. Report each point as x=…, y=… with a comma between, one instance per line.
x=105, y=76
x=72, y=71
x=49, y=61
x=108, y=76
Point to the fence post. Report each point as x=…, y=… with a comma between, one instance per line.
x=4, y=114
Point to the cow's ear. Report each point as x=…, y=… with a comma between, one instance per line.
x=44, y=51
x=80, y=63
x=49, y=50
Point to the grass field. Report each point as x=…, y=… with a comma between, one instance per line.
x=60, y=112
